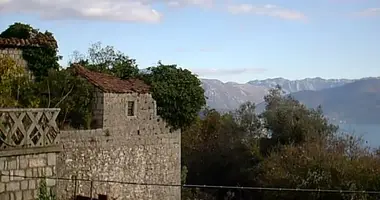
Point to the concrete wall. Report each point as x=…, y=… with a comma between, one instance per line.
x=16, y=186
x=123, y=156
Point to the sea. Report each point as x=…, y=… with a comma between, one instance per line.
x=370, y=133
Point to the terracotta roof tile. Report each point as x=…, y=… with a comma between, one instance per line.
x=39, y=40
x=111, y=84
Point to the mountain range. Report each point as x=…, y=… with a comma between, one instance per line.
x=347, y=100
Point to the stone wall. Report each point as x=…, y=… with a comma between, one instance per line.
x=135, y=149
x=97, y=109
x=15, y=54
x=16, y=171
x=29, y=147
x=126, y=158
x=121, y=155
x=115, y=109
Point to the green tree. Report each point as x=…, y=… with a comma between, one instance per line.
x=178, y=92
x=60, y=89
x=246, y=117
x=13, y=82
x=217, y=151
x=107, y=60
x=338, y=163
x=288, y=121
x=19, y=30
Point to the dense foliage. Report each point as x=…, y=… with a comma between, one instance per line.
x=107, y=60
x=287, y=146
x=178, y=93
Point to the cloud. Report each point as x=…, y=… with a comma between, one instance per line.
x=268, y=10
x=181, y=3
x=221, y=72
x=112, y=10
x=369, y=12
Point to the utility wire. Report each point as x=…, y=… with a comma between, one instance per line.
x=204, y=186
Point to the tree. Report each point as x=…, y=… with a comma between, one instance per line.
x=39, y=60
x=245, y=116
x=178, y=93
x=288, y=121
x=217, y=151
x=60, y=89
x=323, y=164
x=14, y=81
x=107, y=60
x=11, y=79
x=19, y=30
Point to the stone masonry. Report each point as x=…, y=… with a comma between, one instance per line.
x=15, y=170
x=131, y=144
x=128, y=155
x=123, y=156
x=15, y=54
x=29, y=147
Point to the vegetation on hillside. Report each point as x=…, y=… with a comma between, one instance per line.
x=301, y=150
x=287, y=146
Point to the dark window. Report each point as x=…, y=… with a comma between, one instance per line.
x=131, y=108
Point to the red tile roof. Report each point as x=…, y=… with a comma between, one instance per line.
x=40, y=40
x=111, y=84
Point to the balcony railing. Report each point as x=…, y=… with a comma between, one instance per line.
x=27, y=128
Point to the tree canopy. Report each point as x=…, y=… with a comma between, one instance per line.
x=178, y=92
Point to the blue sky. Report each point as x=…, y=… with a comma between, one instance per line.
x=230, y=40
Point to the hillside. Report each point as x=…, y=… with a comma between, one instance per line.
x=357, y=102
x=228, y=96
x=291, y=86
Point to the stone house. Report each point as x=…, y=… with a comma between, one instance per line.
x=13, y=47
x=118, y=102
x=128, y=135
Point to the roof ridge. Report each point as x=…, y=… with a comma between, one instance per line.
x=109, y=83
x=39, y=40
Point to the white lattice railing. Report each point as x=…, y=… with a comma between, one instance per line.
x=23, y=128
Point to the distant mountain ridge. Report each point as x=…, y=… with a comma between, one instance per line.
x=357, y=102
x=228, y=96
x=342, y=100
x=291, y=86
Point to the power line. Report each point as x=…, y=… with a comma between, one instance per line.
x=205, y=186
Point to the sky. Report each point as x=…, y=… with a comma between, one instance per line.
x=229, y=40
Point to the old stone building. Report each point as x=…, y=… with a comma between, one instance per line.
x=130, y=154
x=13, y=47
x=131, y=144
x=118, y=102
